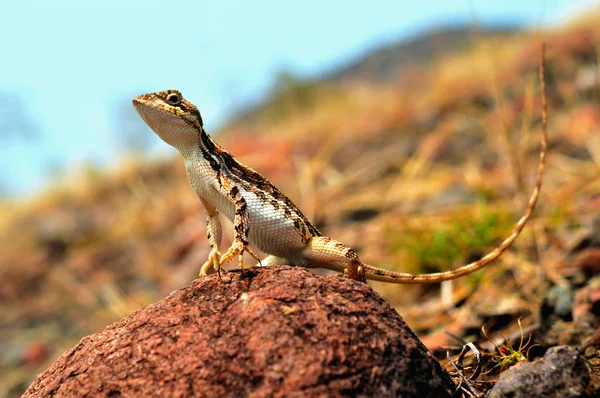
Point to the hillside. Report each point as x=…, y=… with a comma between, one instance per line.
x=385, y=65
x=421, y=172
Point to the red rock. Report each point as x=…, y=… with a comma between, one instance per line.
x=276, y=331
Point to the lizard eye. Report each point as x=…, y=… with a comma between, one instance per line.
x=173, y=99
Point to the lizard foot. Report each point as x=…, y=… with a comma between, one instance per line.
x=214, y=260
x=238, y=248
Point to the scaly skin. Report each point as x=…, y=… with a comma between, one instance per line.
x=262, y=215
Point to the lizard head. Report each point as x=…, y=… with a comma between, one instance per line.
x=174, y=119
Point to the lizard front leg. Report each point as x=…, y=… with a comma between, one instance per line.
x=241, y=224
x=331, y=254
x=214, y=234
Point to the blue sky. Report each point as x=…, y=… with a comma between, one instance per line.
x=69, y=67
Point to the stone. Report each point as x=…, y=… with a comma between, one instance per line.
x=273, y=331
x=562, y=372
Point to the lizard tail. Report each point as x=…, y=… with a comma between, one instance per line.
x=377, y=274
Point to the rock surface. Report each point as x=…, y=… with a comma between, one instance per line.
x=562, y=372
x=276, y=331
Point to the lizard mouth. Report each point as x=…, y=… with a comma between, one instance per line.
x=140, y=104
x=139, y=101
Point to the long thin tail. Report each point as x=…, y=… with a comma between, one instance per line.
x=378, y=274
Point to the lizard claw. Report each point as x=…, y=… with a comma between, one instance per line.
x=238, y=248
x=214, y=260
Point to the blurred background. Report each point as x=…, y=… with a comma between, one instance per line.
x=408, y=130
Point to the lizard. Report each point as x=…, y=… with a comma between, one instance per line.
x=264, y=216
